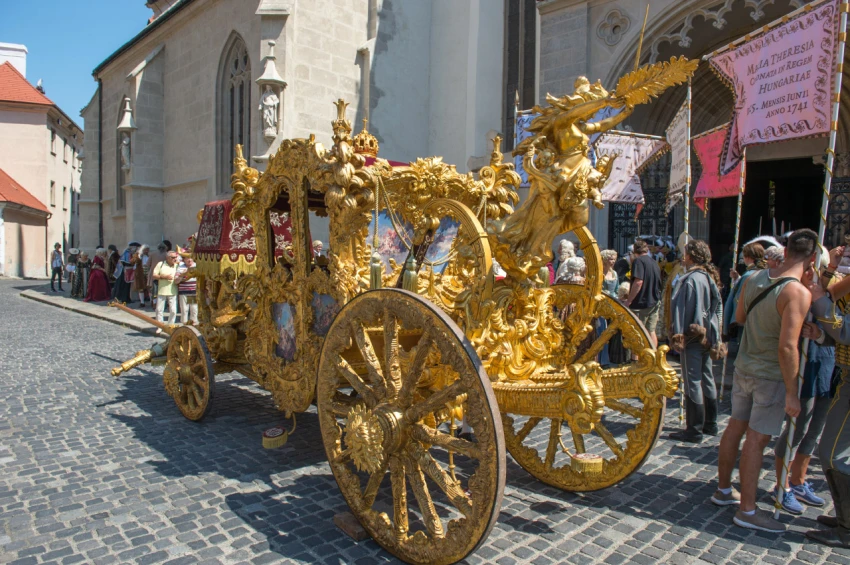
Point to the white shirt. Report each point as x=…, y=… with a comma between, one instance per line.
x=57, y=260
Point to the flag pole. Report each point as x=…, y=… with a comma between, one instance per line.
x=682, y=382
x=742, y=181
x=824, y=208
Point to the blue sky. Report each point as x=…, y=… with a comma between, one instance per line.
x=67, y=39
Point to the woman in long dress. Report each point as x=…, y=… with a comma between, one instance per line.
x=81, y=276
x=124, y=275
x=139, y=280
x=98, y=290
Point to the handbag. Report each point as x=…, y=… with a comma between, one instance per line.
x=129, y=274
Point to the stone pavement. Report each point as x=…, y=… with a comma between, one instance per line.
x=101, y=470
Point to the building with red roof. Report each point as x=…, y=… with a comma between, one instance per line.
x=40, y=165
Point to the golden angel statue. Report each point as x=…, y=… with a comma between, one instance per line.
x=557, y=160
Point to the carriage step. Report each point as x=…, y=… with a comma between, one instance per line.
x=275, y=437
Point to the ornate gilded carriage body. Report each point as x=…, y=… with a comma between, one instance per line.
x=404, y=331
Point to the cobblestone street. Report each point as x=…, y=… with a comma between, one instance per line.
x=101, y=470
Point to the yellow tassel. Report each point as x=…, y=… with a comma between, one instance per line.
x=410, y=278
x=376, y=271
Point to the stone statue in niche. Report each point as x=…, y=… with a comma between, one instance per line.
x=125, y=151
x=269, y=107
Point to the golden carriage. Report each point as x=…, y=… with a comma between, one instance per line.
x=402, y=334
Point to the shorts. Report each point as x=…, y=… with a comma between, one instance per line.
x=649, y=316
x=760, y=402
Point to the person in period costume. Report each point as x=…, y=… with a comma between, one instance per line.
x=80, y=285
x=610, y=286
x=139, y=284
x=832, y=309
x=112, y=259
x=566, y=250
x=695, y=331
x=98, y=289
x=187, y=293
x=144, y=253
x=71, y=264
x=125, y=274
x=166, y=273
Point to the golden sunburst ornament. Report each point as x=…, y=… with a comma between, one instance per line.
x=364, y=437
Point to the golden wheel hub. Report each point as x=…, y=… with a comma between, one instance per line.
x=364, y=436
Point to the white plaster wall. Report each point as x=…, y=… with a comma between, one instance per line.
x=24, y=149
x=25, y=252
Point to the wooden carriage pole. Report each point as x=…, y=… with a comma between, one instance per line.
x=742, y=181
x=844, y=7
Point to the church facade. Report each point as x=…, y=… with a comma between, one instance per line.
x=599, y=39
x=205, y=75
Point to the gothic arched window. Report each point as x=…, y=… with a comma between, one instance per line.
x=234, y=107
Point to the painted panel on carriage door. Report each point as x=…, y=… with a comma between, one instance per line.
x=284, y=319
x=440, y=249
x=390, y=243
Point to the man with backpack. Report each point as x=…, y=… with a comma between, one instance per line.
x=772, y=307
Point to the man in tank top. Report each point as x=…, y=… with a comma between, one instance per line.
x=772, y=308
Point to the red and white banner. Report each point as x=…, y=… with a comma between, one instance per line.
x=781, y=81
x=680, y=148
x=631, y=154
x=712, y=184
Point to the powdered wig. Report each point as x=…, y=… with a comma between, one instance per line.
x=775, y=253
x=608, y=254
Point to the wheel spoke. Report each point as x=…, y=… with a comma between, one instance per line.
x=184, y=395
x=391, y=360
x=624, y=408
x=190, y=397
x=427, y=434
x=423, y=498
x=434, y=402
x=371, y=490
x=600, y=342
x=526, y=428
x=608, y=438
x=552, y=448
x=443, y=480
x=399, y=486
x=198, y=394
x=342, y=404
x=355, y=381
x=199, y=381
x=408, y=384
x=373, y=365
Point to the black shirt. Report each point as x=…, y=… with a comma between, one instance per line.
x=621, y=267
x=646, y=269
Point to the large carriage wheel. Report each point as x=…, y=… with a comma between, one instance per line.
x=394, y=370
x=634, y=401
x=189, y=377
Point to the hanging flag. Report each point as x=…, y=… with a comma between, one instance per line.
x=523, y=120
x=781, y=80
x=708, y=147
x=631, y=154
x=677, y=137
x=520, y=133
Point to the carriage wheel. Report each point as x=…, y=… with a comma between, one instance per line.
x=394, y=372
x=188, y=375
x=631, y=421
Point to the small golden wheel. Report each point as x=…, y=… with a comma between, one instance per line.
x=631, y=408
x=395, y=375
x=189, y=377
